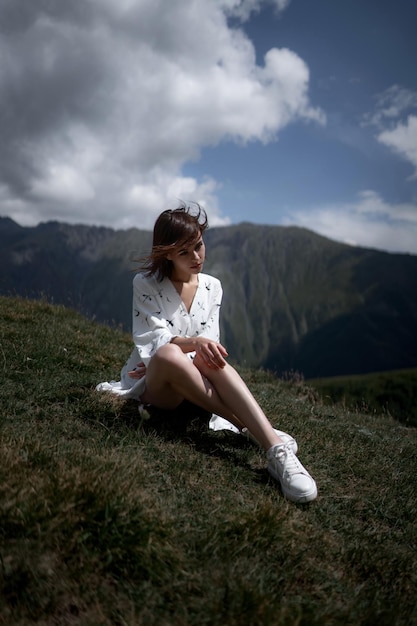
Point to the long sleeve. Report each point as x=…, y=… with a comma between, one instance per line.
x=150, y=324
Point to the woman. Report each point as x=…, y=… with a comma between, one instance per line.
x=177, y=354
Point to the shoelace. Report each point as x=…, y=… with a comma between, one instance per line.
x=288, y=461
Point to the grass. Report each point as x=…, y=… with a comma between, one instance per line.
x=394, y=393
x=106, y=519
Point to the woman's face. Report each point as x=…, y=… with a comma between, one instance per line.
x=188, y=260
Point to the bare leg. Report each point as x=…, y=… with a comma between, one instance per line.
x=172, y=377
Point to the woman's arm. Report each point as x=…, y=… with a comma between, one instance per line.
x=149, y=326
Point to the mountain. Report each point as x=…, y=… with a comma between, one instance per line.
x=293, y=300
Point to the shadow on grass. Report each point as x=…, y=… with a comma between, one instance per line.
x=188, y=424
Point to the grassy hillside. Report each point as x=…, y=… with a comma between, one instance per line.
x=394, y=393
x=105, y=520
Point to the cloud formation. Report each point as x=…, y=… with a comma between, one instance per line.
x=369, y=222
x=395, y=122
x=403, y=140
x=103, y=103
x=242, y=9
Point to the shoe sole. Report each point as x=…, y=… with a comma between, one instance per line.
x=302, y=498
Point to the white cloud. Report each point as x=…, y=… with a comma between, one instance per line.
x=395, y=121
x=103, y=100
x=392, y=104
x=403, y=140
x=369, y=222
x=242, y=9
x=63, y=184
x=162, y=192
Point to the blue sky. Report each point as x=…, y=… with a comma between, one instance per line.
x=270, y=111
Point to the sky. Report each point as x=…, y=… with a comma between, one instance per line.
x=278, y=112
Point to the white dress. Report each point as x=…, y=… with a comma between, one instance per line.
x=159, y=314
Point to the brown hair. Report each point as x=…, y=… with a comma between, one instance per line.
x=173, y=229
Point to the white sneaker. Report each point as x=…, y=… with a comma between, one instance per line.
x=296, y=483
x=286, y=438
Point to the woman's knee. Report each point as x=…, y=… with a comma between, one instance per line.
x=168, y=355
x=210, y=372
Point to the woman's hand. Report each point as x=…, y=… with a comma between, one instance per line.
x=210, y=353
x=139, y=371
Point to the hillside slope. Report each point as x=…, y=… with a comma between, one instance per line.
x=107, y=520
x=293, y=300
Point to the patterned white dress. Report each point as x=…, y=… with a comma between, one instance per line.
x=159, y=314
